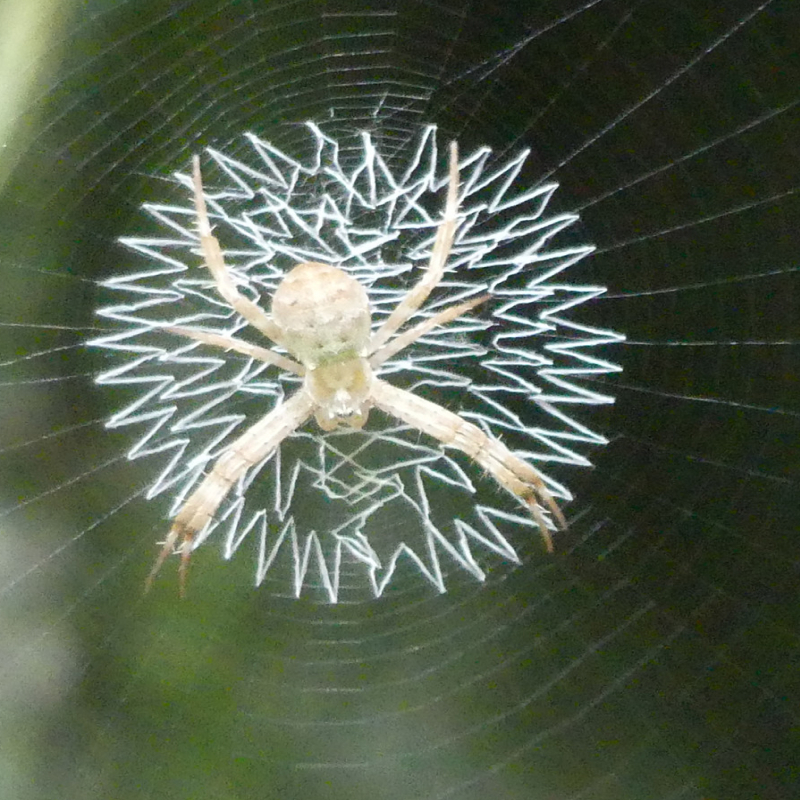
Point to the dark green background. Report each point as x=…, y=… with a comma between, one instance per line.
x=657, y=654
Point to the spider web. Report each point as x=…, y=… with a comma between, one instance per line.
x=655, y=653
x=275, y=216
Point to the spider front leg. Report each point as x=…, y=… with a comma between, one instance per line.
x=510, y=471
x=252, y=447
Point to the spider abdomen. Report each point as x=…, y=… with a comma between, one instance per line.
x=323, y=314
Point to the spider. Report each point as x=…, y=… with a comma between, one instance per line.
x=321, y=317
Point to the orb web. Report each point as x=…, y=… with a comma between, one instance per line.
x=654, y=655
x=386, y=492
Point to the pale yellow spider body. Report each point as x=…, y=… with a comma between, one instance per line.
x=321, y=316
x=325, y=323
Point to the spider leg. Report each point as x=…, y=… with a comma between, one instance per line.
x=215, y=262
x=252, y=447
x=239, y=346
x=510, y=471
x=433, y=274
x=412, y=334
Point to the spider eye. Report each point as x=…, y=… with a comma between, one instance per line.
x=341, y=391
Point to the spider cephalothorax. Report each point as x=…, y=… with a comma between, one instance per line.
x=321, y=316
